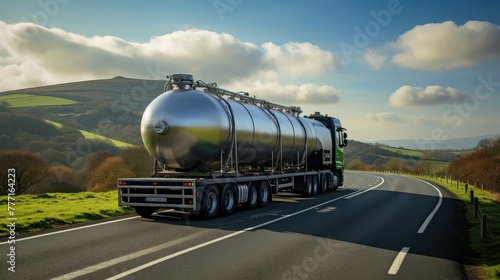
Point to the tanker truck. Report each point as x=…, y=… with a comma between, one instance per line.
x=216, y=151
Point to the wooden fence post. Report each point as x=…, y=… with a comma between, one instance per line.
x=476, y=207
x=484, y=225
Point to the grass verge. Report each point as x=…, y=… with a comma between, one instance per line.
x=484, y=261
x=37, y=212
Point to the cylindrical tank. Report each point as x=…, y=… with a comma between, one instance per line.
x=187, y=128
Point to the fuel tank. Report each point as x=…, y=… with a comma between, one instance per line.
x=191, y=129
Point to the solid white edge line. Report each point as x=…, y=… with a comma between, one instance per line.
x=398, y=261
x=71, y=229
x=157, y=261
x=436, y=208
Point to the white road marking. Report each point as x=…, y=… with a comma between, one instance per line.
x=398, y=261
x=135, y=255
x=171, y=256
x=367, y=190
x=72, y=229
x=436, y=208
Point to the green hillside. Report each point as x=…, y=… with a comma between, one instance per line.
x=363, y=156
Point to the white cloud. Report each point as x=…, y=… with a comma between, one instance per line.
x=34, y=55
x=445, y=45
x=431, y=95
x=384, y=117
x=291, y=95
x=374, y=59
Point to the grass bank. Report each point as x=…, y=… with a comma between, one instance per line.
x=37, y=212
x=484, y=261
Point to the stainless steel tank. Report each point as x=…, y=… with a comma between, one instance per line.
x=187, y=128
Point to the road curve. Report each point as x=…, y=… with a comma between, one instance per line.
x=379, y=226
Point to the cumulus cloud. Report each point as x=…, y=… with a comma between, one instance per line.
x=374, y=59
x=34, y=55
x=384, y=117
x=431, y=95
x=289, y=94
x=445, y=45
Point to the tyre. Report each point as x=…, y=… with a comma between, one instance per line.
x=253, y=196
x=323, y=184
x=314, y=184
x=145, y=212
x=228, y=200
x=308, y=188
x=264, y=195
x=210, y=202
x=335, y=181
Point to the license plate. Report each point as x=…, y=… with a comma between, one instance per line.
x=156, y=199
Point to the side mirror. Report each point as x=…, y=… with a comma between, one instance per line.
x=345, y=135
x=345, y=142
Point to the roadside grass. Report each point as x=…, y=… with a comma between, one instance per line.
x=19, y=100
x=90, y=135
x=485, y=253
x=43, y=211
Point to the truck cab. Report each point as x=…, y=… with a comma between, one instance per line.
x=339, y=138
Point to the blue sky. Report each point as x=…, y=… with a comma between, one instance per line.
x=389, y=69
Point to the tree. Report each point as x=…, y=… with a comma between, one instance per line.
x=485, y=143
x=138, y=160
x=28, y=170
x=104, y=178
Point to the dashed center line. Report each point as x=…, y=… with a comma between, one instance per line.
x=398, y=261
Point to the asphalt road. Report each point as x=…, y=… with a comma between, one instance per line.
x=378, y=226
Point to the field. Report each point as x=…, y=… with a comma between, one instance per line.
x=37, y=212
x=90, y=135
x=403, y=151
x=19, y=100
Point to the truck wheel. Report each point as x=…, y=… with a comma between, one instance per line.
x=253, y=196
x=264, y=193
x=210, y=202
x=145, y=212
x=315, y=184
x=308, y=188
x=323, y=184
x=335, y=181
x=228, y=200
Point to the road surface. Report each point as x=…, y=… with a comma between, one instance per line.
x=379, y=226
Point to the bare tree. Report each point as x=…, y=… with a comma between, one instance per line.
x=26, y=168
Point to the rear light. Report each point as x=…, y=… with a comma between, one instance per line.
x=187, y=184
x=190, y=202
x=155, y=183
x=122, y=183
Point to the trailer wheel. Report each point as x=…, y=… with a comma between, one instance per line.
x=323, y=184
x=210, y=202
x=145, y=212
x=264, y=193
x=228, y=200
x=308, y=188
x=253, y=196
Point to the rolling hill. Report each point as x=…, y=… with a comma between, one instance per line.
x=52, y=120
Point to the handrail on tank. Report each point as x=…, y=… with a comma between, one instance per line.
x=244, y=97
